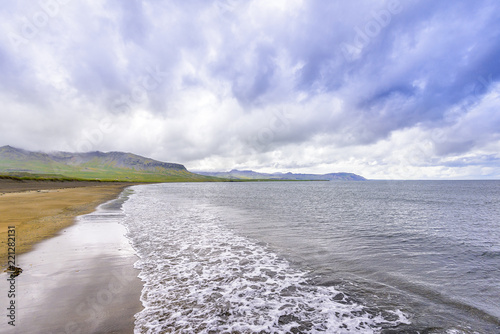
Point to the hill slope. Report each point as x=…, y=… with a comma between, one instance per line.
x=112, y=166
x=248, y=174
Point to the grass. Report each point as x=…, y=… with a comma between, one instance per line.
x=35, y=170
x=40, y=170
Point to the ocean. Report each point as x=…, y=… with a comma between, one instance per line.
x=317, y=257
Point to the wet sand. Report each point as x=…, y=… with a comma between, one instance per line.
x=81, y=280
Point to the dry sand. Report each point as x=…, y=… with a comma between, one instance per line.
x=40, y=209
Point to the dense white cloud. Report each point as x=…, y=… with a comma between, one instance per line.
x=387, y=89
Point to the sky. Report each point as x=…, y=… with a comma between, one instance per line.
x=385, y=89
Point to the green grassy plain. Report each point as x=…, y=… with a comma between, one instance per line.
x=93, y=170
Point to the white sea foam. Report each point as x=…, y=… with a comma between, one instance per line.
x=202, y=278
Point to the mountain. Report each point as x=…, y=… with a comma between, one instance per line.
x=120, y=166
x=109, y=166
x=248, y=174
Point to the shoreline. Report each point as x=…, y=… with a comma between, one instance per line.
x=80, y=279
x=41, y=209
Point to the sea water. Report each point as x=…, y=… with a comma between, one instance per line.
x=317, y=257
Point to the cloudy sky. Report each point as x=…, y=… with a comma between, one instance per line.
x=386, y=89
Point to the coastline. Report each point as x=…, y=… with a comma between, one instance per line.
x=41, y=209
x=78, y=277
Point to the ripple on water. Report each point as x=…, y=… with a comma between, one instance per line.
x=202, y=278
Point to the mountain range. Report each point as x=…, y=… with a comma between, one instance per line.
x=248, y=174
x=120, y=166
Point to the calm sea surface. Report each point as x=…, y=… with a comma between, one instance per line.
x=309, y=257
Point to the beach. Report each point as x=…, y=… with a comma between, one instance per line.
x=40, y=209
x=78, y=274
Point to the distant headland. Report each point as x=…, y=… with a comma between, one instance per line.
x=248, y=174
